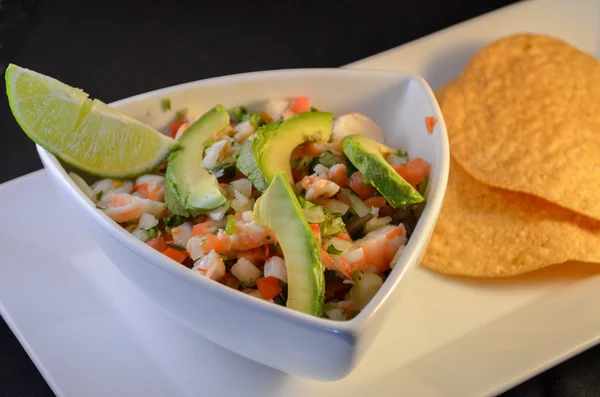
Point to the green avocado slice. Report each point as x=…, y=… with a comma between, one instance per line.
x=190, y=188
x=367, y=156
x=279, y=210
x=273, y=144
x=247, y=164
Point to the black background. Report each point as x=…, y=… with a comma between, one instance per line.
x=117, y=49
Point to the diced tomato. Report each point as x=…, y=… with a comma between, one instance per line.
x=268, y=287
x=298, y=175
x=413, y=172
x=175, y=126
x=175, y=254
x=316, y=230
x=376, y=201
x=358, y=186
x=157, y=243
x=340, y=177
x=231, y=281
x=430, y=124
x=336, y=289
x=300, y=104
x=327, y=260
x=168, y=239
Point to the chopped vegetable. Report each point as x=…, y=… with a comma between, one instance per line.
x=357, y=205
x=239, y=112
x=402, y=154
x=157, y=243
x=152, y=233
x=176, y=254
x=99, y=195
x=333, y=312
x=275, y=267
x=268, y=287
x=300, y=104
x=339, y=244
x=423, y=186
x=335, y=207
x=175, y=127
x=314, y=214
x=230, y=227
x=326, y=158
x=333, y=251
x=375, y=223
x=313, y=109
x=376, y=201
x=364, y=289
x=246, y=272
x=255, y=119
x=176, y=246
x=332, y=226
x=180, y=115
x=166, y=104
x=358, y=186
x=430, y=123
x=414, y=172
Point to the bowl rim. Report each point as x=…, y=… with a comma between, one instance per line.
x=415, y=245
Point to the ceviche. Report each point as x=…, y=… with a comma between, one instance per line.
x=287, y=204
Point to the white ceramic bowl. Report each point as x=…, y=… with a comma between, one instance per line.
x=273, y=335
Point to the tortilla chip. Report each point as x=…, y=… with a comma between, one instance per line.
x=525, y=116
x=488, y=232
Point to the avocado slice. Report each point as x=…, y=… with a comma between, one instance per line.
x=190, y=188
x=367, y=156
x=279, y=210
x=274, y=143
x=247, y=164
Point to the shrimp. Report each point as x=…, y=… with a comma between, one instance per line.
x=316, y=187
x=151, y=187
x=355, y=124
x=105, y=186
x=213, y=153
x=125, y=207
x=211, y=266
x=338, y=175
x=374, y=252
x=246, y=236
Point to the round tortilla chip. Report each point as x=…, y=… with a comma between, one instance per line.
x=489, y=232
x=525, y=116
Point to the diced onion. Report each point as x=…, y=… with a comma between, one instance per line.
x=275, y=108
x=365, y=289
x=194, y=247
x=334, y=313
x=321, y=170
x=334, y=206
x=358, y=205
x=376, y=223
x=275, y=267
x=243, y=185
x=246, y=272
x=182, y=233
x=147, y=221
x=340, y=245
x=140, y=234
x=218, y=213
x=314, y=214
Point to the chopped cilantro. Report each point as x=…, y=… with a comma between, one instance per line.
x=356, y=275
x=100, y=194
x=326, y=158
x=100, y=208
x=166, y=104
x=173, y=220
x=313, y=109
x=230, y=226
x=223, y=256
x=208, y=143
x=239, y=112
x=333, y=225
x=268, y=238
x=176, y=246
x=332, y=250
x=180, y=115
x=152, y=232
x=254, y=118
x=402, y=154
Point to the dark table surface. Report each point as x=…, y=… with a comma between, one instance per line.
x=117, y=49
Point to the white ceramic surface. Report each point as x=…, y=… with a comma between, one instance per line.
x=292, y=342
x=91, y=333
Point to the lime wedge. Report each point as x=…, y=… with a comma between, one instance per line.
x=87, y=134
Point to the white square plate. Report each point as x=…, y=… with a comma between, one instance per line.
x=91, y=333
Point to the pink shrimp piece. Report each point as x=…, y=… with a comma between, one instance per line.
x=124, y=207
x=151, y=187
x=318, y=187
x=374, y=252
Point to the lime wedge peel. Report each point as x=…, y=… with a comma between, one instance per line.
x=86, y=134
